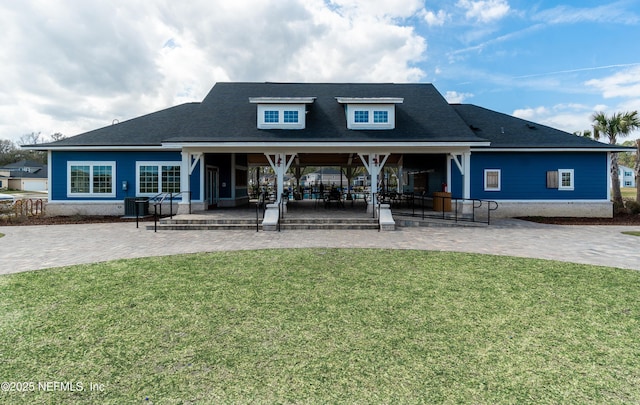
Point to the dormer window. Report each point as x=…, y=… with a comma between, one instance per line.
x=370, y=113
x=281, y=112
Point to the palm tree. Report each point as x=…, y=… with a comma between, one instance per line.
x=618, y=124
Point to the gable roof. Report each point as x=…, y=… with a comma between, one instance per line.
x=507, y=132
x=38, y=174
x=226, y=114
x=24, y=163
x=147, y=130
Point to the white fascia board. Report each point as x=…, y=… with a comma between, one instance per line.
x=370, y=100
x=281, y=100
x=103, y=148
x=327, y=147
x=548, y=150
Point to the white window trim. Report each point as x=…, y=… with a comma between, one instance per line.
x=371, y=109
x=281, y=108
x=569, y=187
x=91, y=164
x=487, y=188
x=159, y=165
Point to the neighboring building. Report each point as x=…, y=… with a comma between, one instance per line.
x=327, y=177
x=627, y=177
x=24, y=175
x=205, y=150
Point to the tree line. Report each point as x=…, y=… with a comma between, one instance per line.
x=11, y=151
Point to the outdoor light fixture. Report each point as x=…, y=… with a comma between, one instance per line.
x=279, y=161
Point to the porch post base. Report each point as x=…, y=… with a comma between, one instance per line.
x=270, y=220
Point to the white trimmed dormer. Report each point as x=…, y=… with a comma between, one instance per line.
x=282, y=112
x=370, y=112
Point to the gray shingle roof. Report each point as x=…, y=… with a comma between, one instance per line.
x=147, y=130
x=506, y=131
x=226, y=114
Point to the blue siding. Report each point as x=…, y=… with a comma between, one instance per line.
x=223, y=162
x=455, y=188
x=523, y=175
x=125, y=171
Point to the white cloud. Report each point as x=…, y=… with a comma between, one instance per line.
x=453, y=97
x=378, y=8
x=74, y=66
x=625, y=83
x=566, y=117
x=435, y=19
x=484, y=10
x=609, y=13
x=572, y=117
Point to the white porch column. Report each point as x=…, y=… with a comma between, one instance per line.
x=184, y=178
x=466, y=163
x=374, y=164
x=280, y=163
x=400, y=176
x=189, y=162
x=464, y=166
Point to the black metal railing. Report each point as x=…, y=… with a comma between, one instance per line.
x=447, y=208
x=157, y=201
x=281, y=203
x=379, y=221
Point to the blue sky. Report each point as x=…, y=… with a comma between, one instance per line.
x=70, y=66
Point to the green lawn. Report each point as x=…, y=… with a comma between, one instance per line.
x=628, y=193
x=323, y=326
x=632, y=233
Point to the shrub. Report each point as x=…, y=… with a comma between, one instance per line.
x=633, y=207
x=619, y=208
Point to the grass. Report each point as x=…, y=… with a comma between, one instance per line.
x=632, y=233
x=628, y=193
x=324, y=326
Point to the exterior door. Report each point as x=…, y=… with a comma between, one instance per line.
x=211, y=187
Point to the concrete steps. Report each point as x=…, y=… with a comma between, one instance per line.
x=211, y=224
x=329, y=223
x=201, y=224
x=407, y=222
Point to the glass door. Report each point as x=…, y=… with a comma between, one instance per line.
x=211, y=187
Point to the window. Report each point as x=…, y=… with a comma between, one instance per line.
x=377, y=113
x=290, y=117
x=565, y=179
x=492, y=180
x=91, y=179
x=380, y=117
x=361, y=116
x=271, y=116
x=157, y=177
x=281, y=112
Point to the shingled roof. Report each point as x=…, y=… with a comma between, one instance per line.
x=227, y=115
x=506, y=131
x=147, y=130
